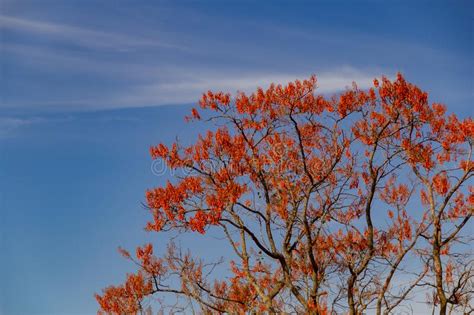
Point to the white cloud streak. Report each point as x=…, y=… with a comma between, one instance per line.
x=189, y=90
x=81, y=36
x=187, y=87
x=10, y=124
x=145, y=83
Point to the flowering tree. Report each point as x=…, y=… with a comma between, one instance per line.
x=330, y=205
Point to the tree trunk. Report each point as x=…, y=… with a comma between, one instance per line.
x=438, y=268
x=350, y=295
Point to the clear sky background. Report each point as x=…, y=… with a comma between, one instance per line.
x=87, y=86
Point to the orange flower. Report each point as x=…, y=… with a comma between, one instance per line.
x=441, y=183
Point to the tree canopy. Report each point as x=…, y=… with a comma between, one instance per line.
x=359, y=201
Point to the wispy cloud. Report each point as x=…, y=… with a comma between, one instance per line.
x=9, y=125
x=45, y=58
x=81, y=36
x=188, y=89
x=138, y=80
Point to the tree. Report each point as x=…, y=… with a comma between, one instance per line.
x=343, y=204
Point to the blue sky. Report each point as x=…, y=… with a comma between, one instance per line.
x=88, y=86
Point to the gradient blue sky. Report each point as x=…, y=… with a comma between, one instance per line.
x=87, y=86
